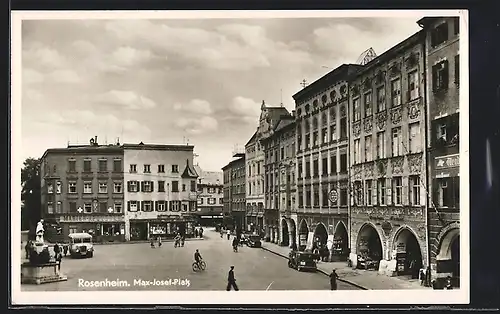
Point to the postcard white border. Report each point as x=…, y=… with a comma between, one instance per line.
x=427, y=296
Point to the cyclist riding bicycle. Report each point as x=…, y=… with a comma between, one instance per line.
x=197, y=257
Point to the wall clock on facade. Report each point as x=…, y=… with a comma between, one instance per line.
x=333, y=196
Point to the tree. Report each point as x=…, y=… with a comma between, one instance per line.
x=30, y=194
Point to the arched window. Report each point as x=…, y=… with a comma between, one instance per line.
x=324, y=99
x=307, y=126
x=315, y=104
x=308, y=108
x=315, y=123
x=299, y=112
x=323, y=119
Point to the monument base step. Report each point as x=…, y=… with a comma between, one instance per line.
x=41, y=273
x=42, y=280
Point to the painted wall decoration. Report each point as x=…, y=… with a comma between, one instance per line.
x=368, y=124
x=381, y=120
x=397, y=165
x=414, y=110
x=368, y=168
x=356, y=128
x=415, y=163
x=396, y=115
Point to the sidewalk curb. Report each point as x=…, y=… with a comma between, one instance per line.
x=319, y=270
x=147, y=241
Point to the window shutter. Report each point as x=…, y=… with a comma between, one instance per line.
x=152, y=186
x=374, y=192
x=388, y=192
x=142, y=186
x=446, y=73
x=404, y=194
x=140, y=205
x=128, y=205
x=168, y=206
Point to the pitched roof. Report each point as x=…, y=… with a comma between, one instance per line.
x=209, y=177
x=252, y=139
x=284, y=122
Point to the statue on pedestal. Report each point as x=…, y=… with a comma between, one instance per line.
x=39, y=232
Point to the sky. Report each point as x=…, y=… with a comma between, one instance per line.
x=173, y=81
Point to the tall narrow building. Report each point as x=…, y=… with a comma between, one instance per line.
x=442, y=38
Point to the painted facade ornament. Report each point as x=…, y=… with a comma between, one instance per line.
x=414, y=110
x=356, y=128
x=421, y=231
x=387, y=228
x=395, y=69
x=380, y=77
x=367, y=84
x=412, y=60
x=355, y=89
x=357, y=171
x=416, y=212
x=397, y=212
x=333, y=96
x=415, y=163
x=397, y=165
x=382, y=167
x=343, y=91
x=368, y=124
x=381, y=120
x=396, y=115
x=342, y=111
x=369, y=211
x=368, y=169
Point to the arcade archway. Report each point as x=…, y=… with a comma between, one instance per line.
x=340, y=249
x=449, y=253
x=285, y=238
x=320, y=236
x=408, y=253
x=368, y=247
x=303, y=233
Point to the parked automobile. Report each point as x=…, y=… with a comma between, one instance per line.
x=253, y=241
x=302, y=260
x=80, y=245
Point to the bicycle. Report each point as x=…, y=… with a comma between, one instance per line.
x=199, y=266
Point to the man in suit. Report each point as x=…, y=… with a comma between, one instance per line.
x=231, y=282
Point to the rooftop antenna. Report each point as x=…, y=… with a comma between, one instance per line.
x=281, y=97
x=303, y=83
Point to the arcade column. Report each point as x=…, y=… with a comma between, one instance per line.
x=127, y=229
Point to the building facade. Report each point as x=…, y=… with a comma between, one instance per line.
x=322, y=163
x=254, y=159
x=82, y=190
x=234, y=192
x=387, y=163
x=269, y=119
x=210, y=197
x=282, y=143
x=160, y=190
x=443, y=86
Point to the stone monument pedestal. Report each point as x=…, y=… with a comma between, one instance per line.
x=41, y=273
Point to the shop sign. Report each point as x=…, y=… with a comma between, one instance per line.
x=445, y=162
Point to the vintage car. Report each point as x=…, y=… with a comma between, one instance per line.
x=253, y=241
x=80, y=245
x=302, y=260
x=366, y=262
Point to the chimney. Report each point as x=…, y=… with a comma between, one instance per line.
x=95, y=141
x=293, y=113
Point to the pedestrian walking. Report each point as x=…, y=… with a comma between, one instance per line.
x=201, y=232
x=182, y=240
x=27, y=247
x=57, y=250
x=152, y=241
x=65, y=249
x=231, y=281
x=228, y=233
x=59, y=260
x=159, y=241
x=196, y=233
x=333, y=280
x=422, y=277
x=221, y=233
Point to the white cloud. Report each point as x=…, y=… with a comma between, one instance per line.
x=198, y=125
x=381, y=38
x=84, y=47
x=245, y=107
x=75, y=123
x=43, y=56
x=65, y=76
x=127, y=99
x=231, y=47
x=31, y=95
x=31, y=76
x=127, y=56
x=198, y=106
